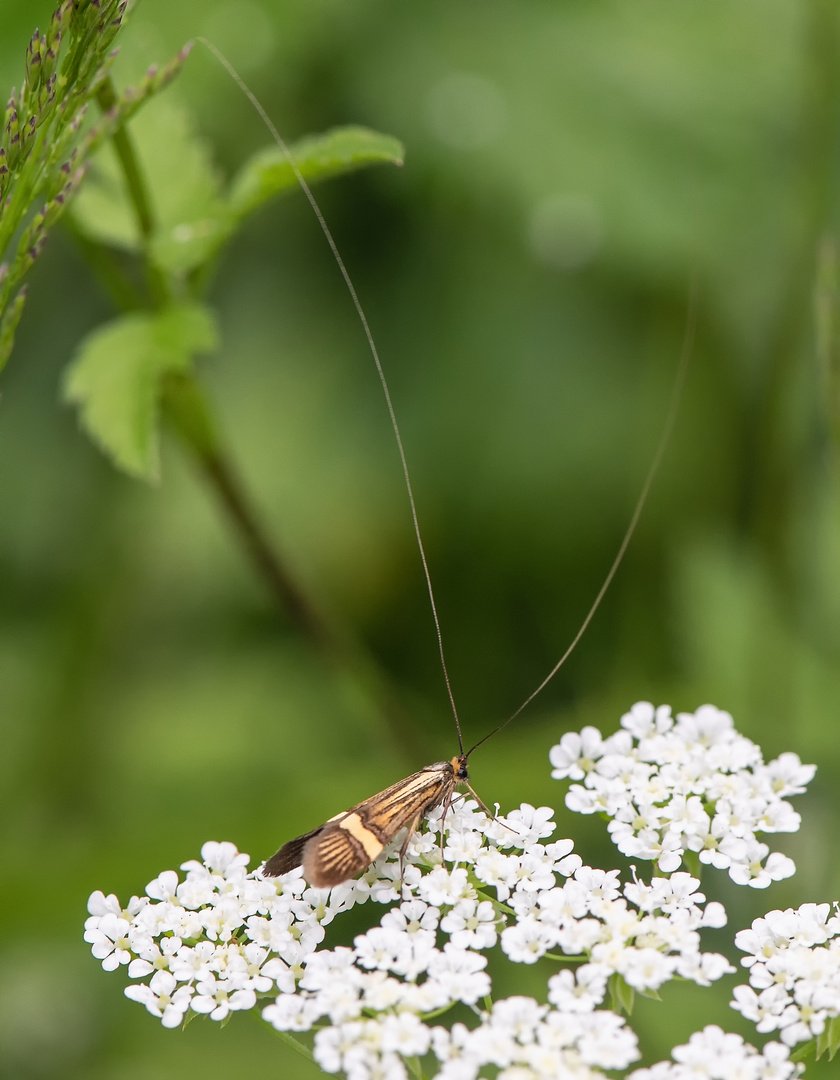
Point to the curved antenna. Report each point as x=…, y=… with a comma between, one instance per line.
x=664, y=438
x=357, y=304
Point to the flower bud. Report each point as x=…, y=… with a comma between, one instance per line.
x=33, y=62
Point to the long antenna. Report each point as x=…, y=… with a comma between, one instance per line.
x=664, y=438
x=357, y=304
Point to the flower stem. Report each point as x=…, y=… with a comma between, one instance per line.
x=295, y=1044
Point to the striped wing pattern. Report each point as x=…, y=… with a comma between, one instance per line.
x=348, y=843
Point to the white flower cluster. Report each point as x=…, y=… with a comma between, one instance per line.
x=223, y=938
x=687, y=784
x=714, y=1054
x=188, y=936
x=794, y=964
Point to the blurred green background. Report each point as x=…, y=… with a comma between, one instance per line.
x=570, y=166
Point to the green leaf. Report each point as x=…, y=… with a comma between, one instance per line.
x=831, y=1035
x=342, y=150
x=805, y=1050
x=622, y=996
x=115, y=379
x=193, y=220
x=199, y=234
x=183, y=185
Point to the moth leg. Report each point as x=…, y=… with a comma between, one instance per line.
x=446, y=804
x=412, y=829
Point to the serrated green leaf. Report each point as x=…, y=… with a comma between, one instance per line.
x=183, y=186
x=341, y=150
x=115, y=376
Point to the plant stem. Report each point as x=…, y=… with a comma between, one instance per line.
x=291, y=1041
x=138, y=195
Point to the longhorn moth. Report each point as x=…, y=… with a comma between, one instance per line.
x=347, y=843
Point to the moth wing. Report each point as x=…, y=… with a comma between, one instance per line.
x=290, y=855
x=333, y=854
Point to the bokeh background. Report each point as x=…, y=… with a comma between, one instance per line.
x=571, y=167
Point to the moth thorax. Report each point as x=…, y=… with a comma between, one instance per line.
x=459, y=766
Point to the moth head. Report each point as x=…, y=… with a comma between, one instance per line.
x=459, y=766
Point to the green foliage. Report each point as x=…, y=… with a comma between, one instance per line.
x=334, y=153
x=153, y=193
x=194, y=215
x=829, y=1042
x=45, y=142
x=183, y=187
x=622, y=996
x=174, y=220
x=8, y=325
x=116, y=375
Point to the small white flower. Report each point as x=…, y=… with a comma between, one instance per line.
x=110, y=941
x=218, y=997
x=575, y=755
x=460, y=973
x=578, y=991
x=291, y=1012
x=382, y=949
x=445, y=887
x=163, y=887
x=163, y=998
x=495, y=868
x=412, y=917
x=530, y=824
x=471, y=925
x=527, y=941
x=405, y=1034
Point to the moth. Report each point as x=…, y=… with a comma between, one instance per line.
x=348, y=843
